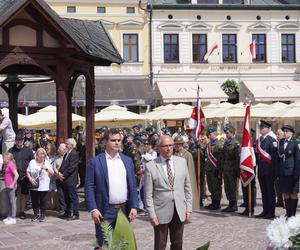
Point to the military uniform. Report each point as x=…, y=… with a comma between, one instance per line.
x=230, y=166
x=265, y=159
x=288, y=169
x=80, y=148
x=213, y=175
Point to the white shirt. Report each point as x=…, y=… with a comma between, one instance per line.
x=35, y=171
x=117, y=178
x=8, y=133
x=164, y=165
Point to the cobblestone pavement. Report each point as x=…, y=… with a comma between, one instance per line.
x=225, y=232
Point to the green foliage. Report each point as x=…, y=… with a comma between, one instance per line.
x=109, y=242
x=204, y=247
x=230, y=86
x=296, y=241
x=124, y=230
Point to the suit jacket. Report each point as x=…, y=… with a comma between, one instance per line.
x=264, y=168
x=289, y=158
x=97, y=184
x=69, y=169
x=160, y=199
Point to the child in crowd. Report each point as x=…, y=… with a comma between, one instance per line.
x=10, y=180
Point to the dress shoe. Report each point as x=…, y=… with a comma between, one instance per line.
x=261, y=215
x=269, y=216
x=64, y=216
x=246, y=213
x=74, y=217
x=279, y=204
x=243, y=205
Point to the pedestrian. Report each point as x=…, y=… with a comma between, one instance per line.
x=39, y=172
x=168, y=195
x=22, y=155
x=79, y=137
x=68, y=176
x=265, y=159
x=180, y=151
x=110, y=185
x=7, y=132
x=230, y=167
x=278, y=191
x=212, y=168
x=10, y=180
x=289, y=169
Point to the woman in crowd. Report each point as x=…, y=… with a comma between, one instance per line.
x=51, y=157
x=39, y=172
x=10, y=180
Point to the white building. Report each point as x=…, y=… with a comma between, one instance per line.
x=184, y=31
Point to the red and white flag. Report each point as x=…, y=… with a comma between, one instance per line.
x=253, y=49
x=248, y=161
x=213, y=48
x=197, y=119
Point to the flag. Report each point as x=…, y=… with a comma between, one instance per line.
x=197, y=119
x=247, y=161
x=213, y=48
x=253, y=49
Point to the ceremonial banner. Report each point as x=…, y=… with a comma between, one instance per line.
x=247, y=161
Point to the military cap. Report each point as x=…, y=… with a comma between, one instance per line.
x=135, y=126
x=229, y=127
x=127, y=129
x=288, y=127
x=33, y=131
x=252, y=130
x=138, y=139
x=43, y=131
x=78, y=127
x=265, y=124
x=142, y=133
x=178, y=140
x=130, y=135
x=165, y=130
x=211, y=129
x=149, y=128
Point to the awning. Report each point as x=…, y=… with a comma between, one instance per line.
x=187, y=91
x=273, y=90
x=129, y=92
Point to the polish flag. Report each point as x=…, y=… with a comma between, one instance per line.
x=253, y=49
x=247, y=161
x=197, y=119
x=213, y=48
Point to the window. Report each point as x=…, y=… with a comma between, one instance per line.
x=130, y=10
x=229, y=48
x=199, y=47
x=71, y=9
x=288, y=48
x=260, y=48
x=233, y=1
x=207, y=1
x=130, y=47
x=101, y=9
x=171, y=48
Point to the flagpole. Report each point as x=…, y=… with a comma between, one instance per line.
x=198, y=172
x=249, y=199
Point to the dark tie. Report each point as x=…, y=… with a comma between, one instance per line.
x=169, y=172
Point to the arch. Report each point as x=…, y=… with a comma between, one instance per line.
x=259, y=27
x=288, y=26
x=228, y=26
x=200, y=26
x=171, y=26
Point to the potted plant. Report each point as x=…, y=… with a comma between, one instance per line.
x=231, y=88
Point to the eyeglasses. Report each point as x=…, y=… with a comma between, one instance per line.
x=167, y=146
x=114, y=140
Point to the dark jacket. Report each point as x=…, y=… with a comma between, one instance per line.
x=69, y=168
x=289, y=158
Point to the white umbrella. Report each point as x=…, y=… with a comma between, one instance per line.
x=116, y=116
x=158, y=112
x=45, y=118
x=179, y=112
x=217, y=110
x=291, y=111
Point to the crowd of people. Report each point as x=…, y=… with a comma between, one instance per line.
x=49, y=178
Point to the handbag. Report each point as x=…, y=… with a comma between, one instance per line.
x=37, y=181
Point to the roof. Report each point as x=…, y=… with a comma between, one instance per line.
x=90, y=36
x=255, y=4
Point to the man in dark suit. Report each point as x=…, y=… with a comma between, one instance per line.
x=265, y=159
x=110, y=184
x=68, y=176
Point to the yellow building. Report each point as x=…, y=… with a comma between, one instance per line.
x=128, y=25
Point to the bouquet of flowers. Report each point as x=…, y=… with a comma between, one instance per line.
x=284, y=233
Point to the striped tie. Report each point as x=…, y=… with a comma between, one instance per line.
x=170, y=175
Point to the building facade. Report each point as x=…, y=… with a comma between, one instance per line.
x=208, y=42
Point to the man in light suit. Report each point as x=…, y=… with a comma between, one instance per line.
x=168, y=195
x=110, y=184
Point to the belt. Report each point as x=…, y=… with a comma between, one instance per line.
x=120, y=205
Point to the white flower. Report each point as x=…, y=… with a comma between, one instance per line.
x=278, y=233
x=294, y=224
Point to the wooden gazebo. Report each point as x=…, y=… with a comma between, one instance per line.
x=35, y=41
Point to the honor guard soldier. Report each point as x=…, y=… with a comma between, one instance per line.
x=230, y=166
x=212, y=168
x=289, y=169
x=265, y=155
